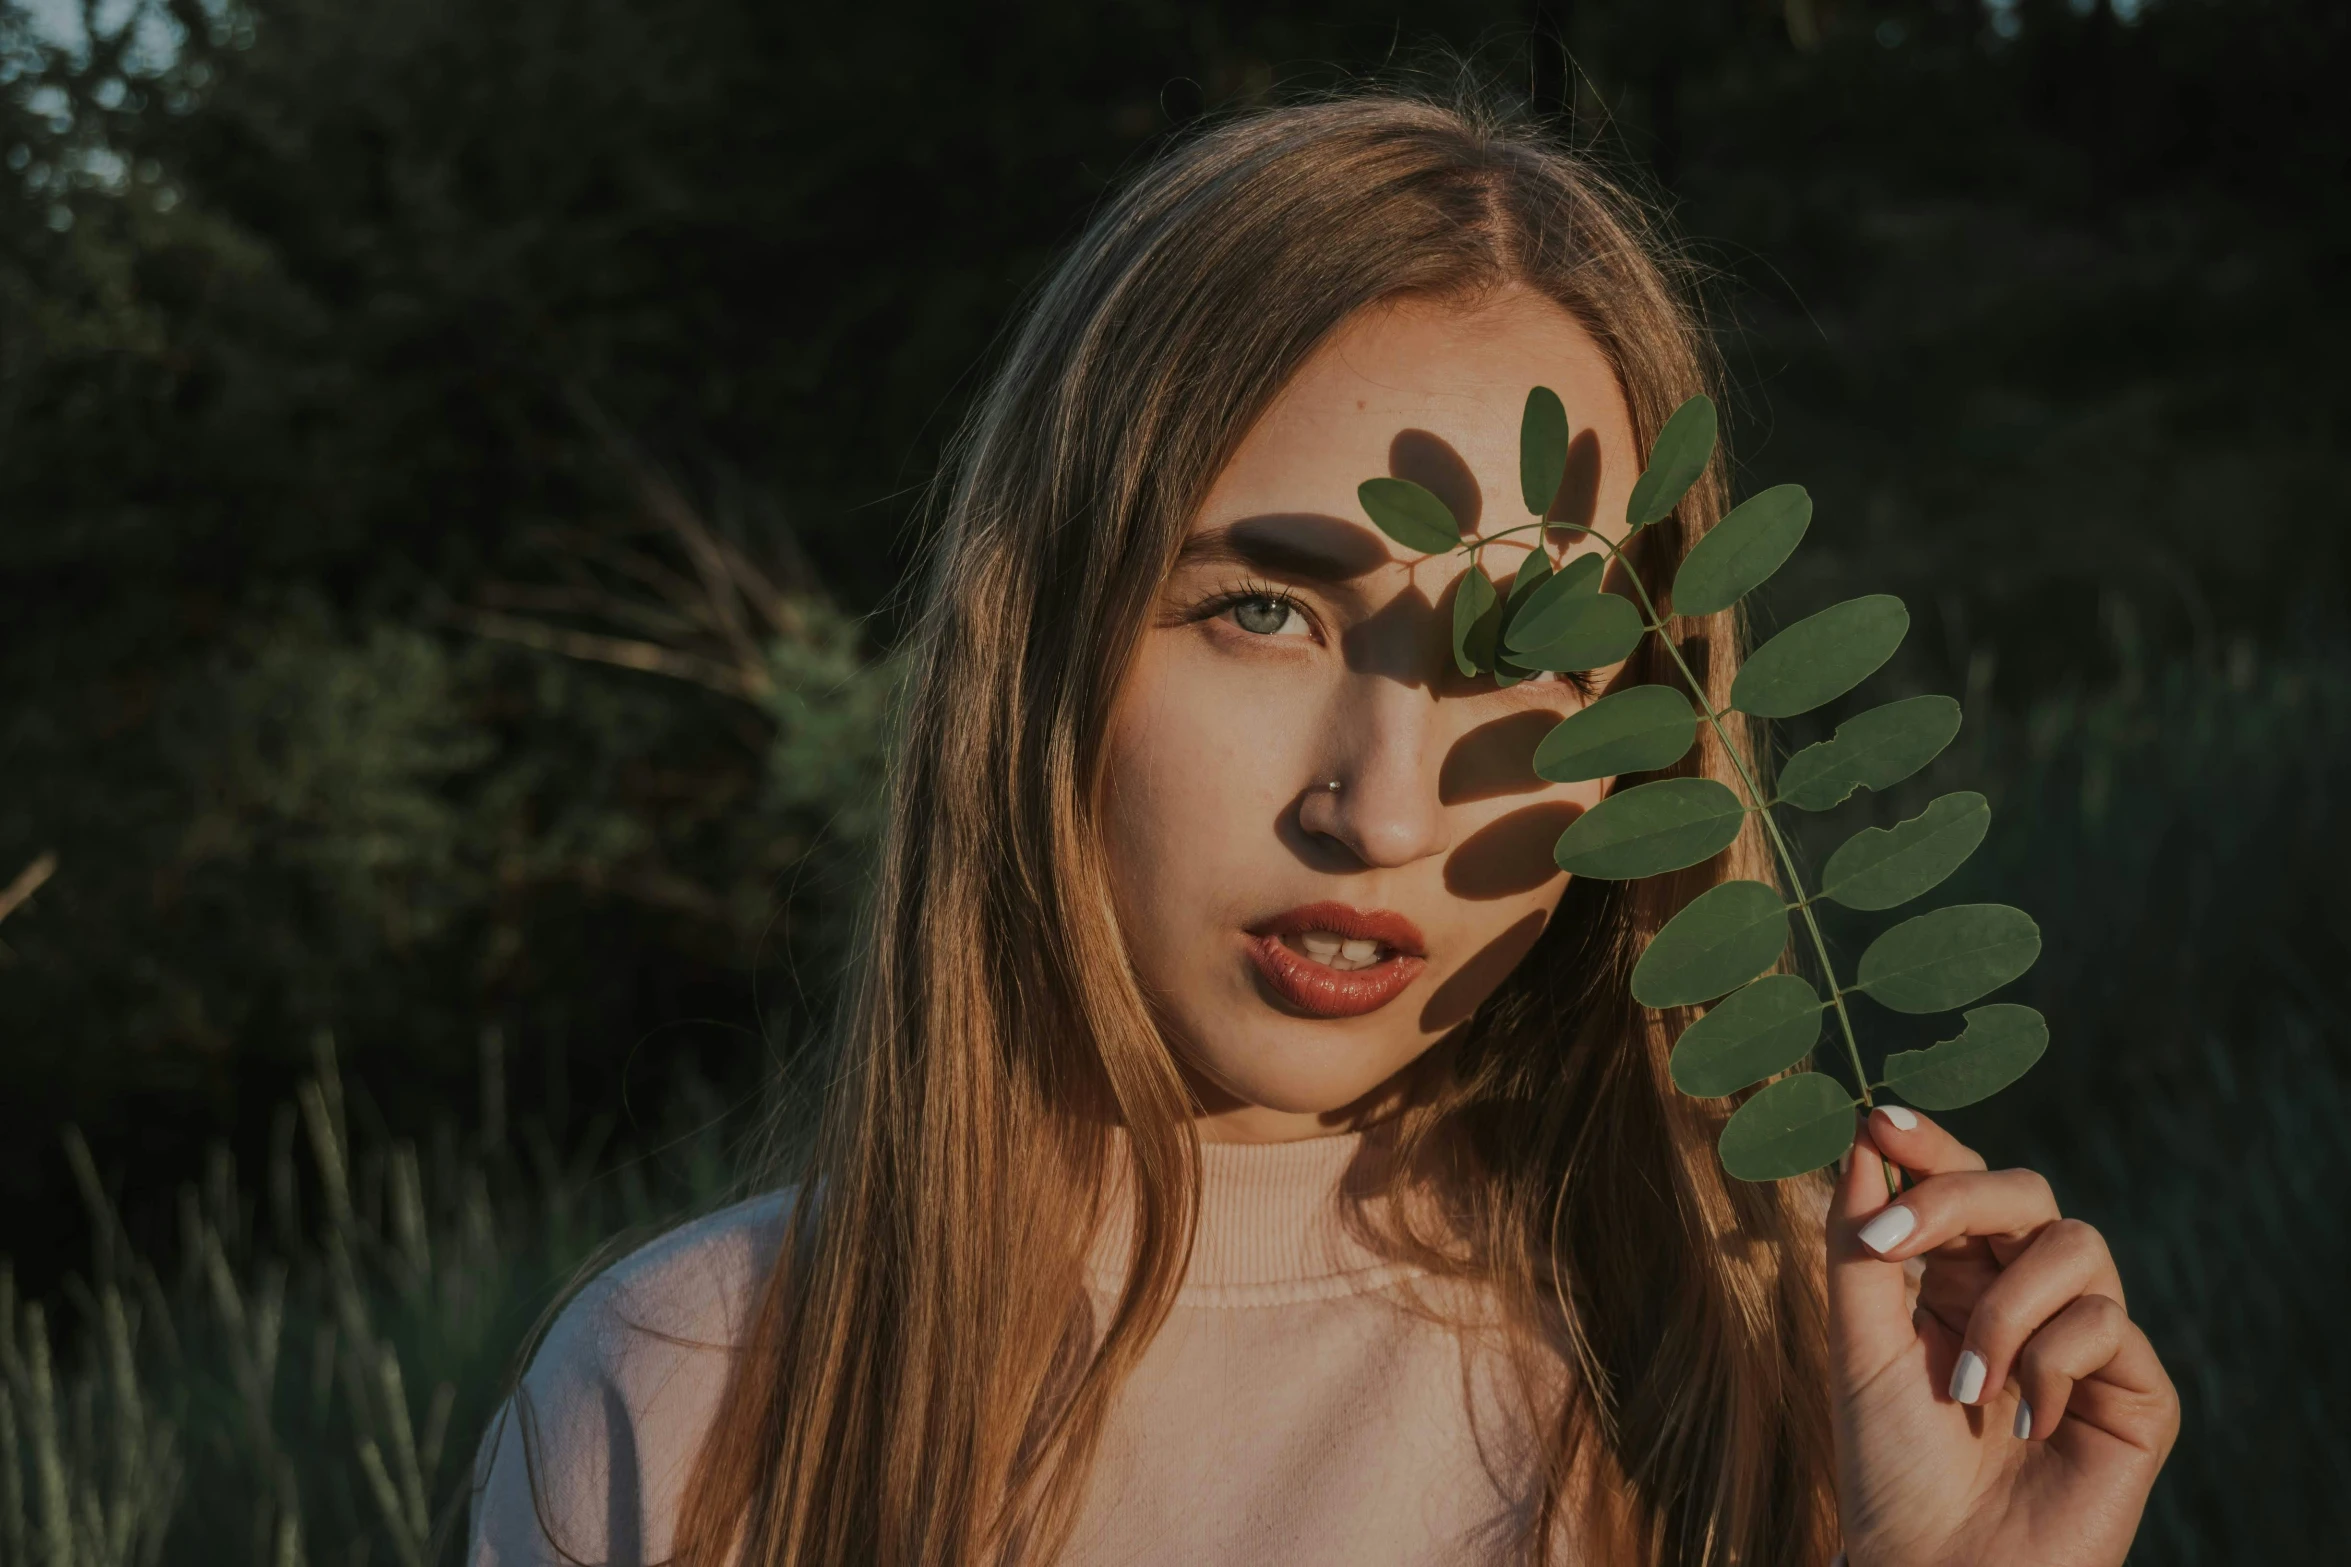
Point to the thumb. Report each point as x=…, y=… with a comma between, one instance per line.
x=1869, y=1299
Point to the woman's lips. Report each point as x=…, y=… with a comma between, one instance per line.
x=1317, y=988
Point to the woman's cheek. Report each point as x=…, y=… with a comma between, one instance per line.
x=1507, y=859
x=1203, y=758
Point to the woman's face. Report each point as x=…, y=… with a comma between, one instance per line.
x=1301, y=944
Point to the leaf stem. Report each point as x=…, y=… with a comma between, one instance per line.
x=1779, y=843
x=1484, y=539
x=1470, y=547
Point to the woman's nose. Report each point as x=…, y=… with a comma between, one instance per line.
x=1385, y=810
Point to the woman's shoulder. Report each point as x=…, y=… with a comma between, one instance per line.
x=596, y=1444
x=687, y=1292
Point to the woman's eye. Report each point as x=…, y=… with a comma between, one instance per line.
x=1267, y=616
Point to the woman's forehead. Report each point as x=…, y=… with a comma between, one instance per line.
x=1427, y=390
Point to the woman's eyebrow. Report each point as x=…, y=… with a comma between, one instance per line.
x=1312, y=545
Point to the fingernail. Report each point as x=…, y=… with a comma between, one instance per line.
x=2024, y=1418
x=1898, y=1118
x=1889, y=1229
x=1967, y=1377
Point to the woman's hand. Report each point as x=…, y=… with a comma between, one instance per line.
x=2013, y=1415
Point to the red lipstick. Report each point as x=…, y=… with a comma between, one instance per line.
x=1320, y=990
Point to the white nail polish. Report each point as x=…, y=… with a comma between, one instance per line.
x=1900, y=1119
x=2024, y=1419
x=1889, y=1229
x=1967, y=1377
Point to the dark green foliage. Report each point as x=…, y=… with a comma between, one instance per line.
x=1636, y=730
x=1586, y=631
x=1821, y=657
x=1650, y=829
x=1542, y=451
x=1726, y=936
x=2050, y=324
x=1872, y=750
x=1731, y=933
x=1409, y=514
x=1763, y=1030
x=1477, y=614
x=1880, y=867
x=1561, y=595
x=1999, y=1045
x=1532, y=573
x=1740, y=553
x=1681, y=451
x=1798, y=1123
x=1948, y=958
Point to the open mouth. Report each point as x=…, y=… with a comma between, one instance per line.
x=1335, y=951
x=1331, y=960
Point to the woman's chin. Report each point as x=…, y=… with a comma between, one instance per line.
x=1292, y=1067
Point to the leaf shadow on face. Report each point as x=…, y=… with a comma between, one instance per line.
x=1494, y=759
x=1311, y=544
x=1511, y=855
x=1430, y=461
x=1578, y=500
x=1475, y=980
x=1408, y=639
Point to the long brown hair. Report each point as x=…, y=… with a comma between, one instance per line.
x=924, y=1383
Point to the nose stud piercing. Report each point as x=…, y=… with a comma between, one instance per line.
x=1332, y=786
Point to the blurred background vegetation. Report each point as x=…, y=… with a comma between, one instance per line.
x=455, y=461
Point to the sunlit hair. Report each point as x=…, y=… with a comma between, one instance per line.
x=924, y=1382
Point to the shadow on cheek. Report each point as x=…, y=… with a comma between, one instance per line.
x=1475, y=980
x=1511, y=854
x=1494, y=759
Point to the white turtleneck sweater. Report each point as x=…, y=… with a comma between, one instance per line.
x=1301, y=1404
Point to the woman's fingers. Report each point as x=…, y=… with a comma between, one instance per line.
x=1917, y=1144
x=2009, y=1206
x=2066, y=1264
x=2094, y=1342
x=1869, y=1301
x=2048, y=1312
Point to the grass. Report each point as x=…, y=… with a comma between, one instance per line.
x=308, y=1386
x=308, y=1383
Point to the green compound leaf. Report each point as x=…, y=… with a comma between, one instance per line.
x=1681, y=452
x=1765, y=1028
x=1474, y=621
x=1872, y=750
x=1410, y=515
x=1727, y=936
x=1739, y=554
x=1649, y=829
x=1552, y=605
x=1532, y=573
x=1604, y=629
x=1632, y=731
x=1999, y=1045
x=1879, y=867
x=1820, y=657
x=1796, y=1125
x=1542, y=449
x=1948, y=958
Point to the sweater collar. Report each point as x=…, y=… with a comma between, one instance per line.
x=1278, y=1222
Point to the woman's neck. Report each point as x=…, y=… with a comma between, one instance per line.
x=1225, y=1117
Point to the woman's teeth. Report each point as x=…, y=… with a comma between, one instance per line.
x=1335, y=951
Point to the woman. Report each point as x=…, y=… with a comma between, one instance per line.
x=1244, y=1147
